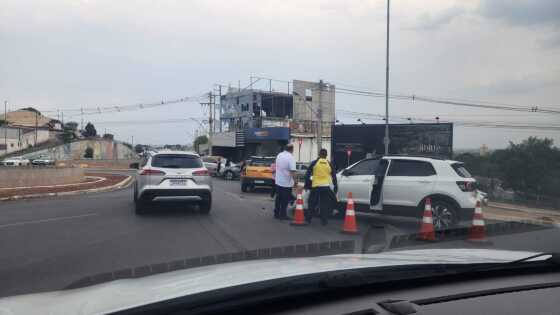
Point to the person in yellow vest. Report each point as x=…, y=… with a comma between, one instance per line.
x=320, y=176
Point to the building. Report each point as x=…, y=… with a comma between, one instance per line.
x=26, y=128
x=257, y=122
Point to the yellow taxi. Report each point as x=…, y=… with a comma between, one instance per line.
x=257, y=172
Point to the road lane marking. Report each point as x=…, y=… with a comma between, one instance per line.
x=98, y=179
x=48, y=220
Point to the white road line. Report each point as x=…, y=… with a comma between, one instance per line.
x=98, y=179
x=48, y=220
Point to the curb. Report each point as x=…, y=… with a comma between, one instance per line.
x=123, y=184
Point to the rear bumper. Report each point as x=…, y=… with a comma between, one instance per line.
x=257, y=181
x=149, y=194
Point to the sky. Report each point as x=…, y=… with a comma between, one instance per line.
x=67, y=54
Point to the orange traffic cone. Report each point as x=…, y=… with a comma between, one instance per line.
x=427, y=231
x=350, y=226
x=299, y=217
x=477, y=232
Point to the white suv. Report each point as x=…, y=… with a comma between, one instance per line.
x=172, y=175
x=399, y=185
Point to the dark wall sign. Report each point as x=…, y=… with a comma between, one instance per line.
x=409, y=139
x=254, y=135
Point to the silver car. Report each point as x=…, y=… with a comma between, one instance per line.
x=175, y=175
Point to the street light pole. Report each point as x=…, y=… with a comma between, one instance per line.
x=320, y=119
x=386, y=139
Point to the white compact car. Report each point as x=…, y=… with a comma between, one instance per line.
x=16, y=161
x=399, y=185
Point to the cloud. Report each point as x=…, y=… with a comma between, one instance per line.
x=428, y=21
x=522, y=12
x=551, y=42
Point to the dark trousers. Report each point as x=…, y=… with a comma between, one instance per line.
x=283, y=197
x=322, y=198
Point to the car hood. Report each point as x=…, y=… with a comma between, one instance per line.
x=124, y=294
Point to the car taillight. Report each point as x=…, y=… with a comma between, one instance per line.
x=151, y=172
x=466, y=186
x=201, y=173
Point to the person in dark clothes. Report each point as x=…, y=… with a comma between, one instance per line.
x=319, y=177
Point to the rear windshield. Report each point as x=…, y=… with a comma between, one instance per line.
x=176, y=161
x=261, y=162
x=461, y=170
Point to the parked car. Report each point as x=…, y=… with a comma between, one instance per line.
x=483, y=197
x=257, y=172
x=230, y=171
x=301, y=169
x=211, y=163
x=399, y=185
x=16, y=161
x=43, y=160
x=172, y=174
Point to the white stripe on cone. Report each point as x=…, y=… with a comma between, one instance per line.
x=478, y=222
x=427, y=220
x=350, y=212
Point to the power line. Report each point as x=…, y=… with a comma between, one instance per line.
x=503, y=125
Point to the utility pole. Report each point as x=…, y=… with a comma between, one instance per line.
x=210, y=123
x=36, y=123
x=320, y=118
x=220, y=95
x=5, y=127
x=386, y=139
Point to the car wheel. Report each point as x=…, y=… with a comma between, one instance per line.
x=444, y=215
x=228, y=175
x=139, y=205
x=205, y=205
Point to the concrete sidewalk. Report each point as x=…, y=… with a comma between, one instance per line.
x=507, y=212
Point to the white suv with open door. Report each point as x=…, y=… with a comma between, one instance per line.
x=399, y=185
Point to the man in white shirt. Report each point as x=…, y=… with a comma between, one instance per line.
x=284, y=179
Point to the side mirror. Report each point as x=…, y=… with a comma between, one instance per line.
x=347, y=172
x=135, y=165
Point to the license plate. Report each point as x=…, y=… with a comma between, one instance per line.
x=178, y=182
x=259, y=182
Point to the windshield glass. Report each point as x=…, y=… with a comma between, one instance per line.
x=142, y=137
x=461, y=170
x=176, y=161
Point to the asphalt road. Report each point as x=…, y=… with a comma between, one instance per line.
x=46, y=244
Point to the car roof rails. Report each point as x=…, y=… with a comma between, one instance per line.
x=434, y=157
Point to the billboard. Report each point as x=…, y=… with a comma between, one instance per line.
x=255, y=135
x=351, y=143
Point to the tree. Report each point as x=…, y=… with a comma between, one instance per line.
x=88, y=154
x=108, y=136
x=89, y=131
x=200, y=140
x=71, y=125
x=138, y=148
x=532, y=166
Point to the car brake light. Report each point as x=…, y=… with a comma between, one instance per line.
x=466, y=186
x=149, y=171
x=201, y=173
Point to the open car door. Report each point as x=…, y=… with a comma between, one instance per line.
x=376, y=186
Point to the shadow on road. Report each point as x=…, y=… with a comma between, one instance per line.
x=166, y=209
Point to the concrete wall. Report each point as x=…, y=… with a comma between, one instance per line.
x=303, y=111
x=21, y=138
x=24, y=177
x=102, y=150
x=307, y=152
x=103, y=164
